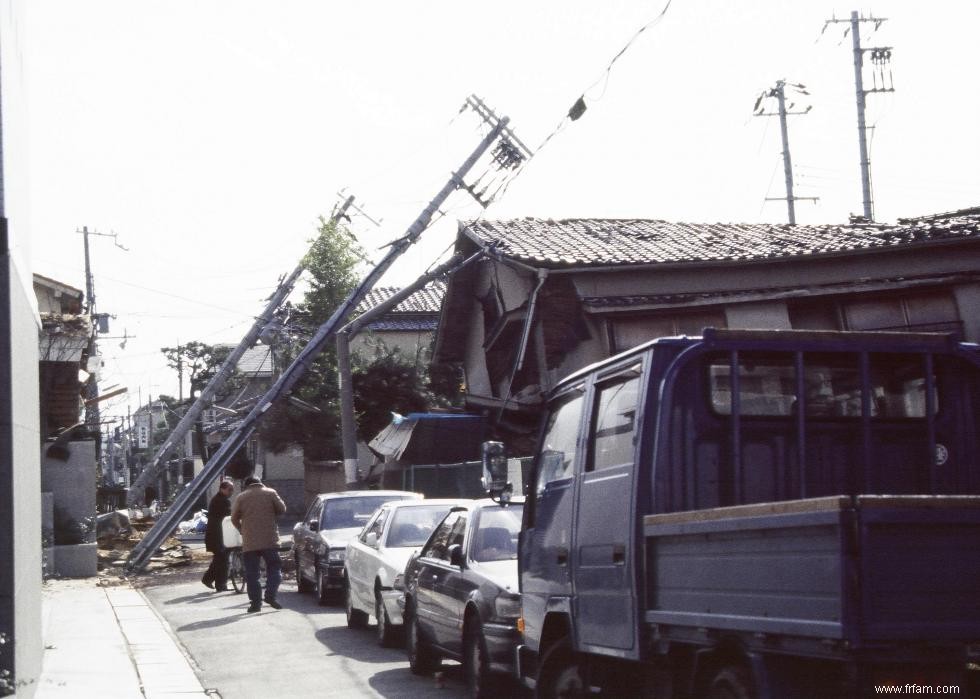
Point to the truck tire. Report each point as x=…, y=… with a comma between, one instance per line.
x=560, y=673
x=731, y=682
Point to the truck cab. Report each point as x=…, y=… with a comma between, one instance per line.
x=732, y=514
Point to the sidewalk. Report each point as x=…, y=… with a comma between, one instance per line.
x=108, y=642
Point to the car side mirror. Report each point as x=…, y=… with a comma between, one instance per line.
x=371, y=539
x=456, y=555
x=495, y=472
x=313, y=524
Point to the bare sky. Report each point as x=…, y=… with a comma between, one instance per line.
x=210, y=136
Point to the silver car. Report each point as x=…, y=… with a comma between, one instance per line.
x=377, y=556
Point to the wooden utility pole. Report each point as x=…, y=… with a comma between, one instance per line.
x=505, y=151
x=207, y=395
x=880, y=56
x=779, y=92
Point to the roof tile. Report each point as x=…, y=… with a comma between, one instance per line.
x=597, y=242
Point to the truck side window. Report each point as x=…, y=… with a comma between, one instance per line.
x=557, y=456
x=614, y=423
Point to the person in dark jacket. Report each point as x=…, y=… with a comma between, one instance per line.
x=216, y=575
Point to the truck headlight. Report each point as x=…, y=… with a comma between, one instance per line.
x=507, y=606
x=336, y=556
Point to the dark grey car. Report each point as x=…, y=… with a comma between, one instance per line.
x=461, y=594
x=320, y=540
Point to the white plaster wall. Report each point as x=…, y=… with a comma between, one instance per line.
x=771, y=316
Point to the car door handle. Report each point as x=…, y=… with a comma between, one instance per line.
x=619, y=554
x=562, y=556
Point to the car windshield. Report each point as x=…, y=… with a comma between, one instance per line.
x=346, y=513
x=496, y=537
x=411, y=526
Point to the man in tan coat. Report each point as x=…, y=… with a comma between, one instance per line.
x=254, y=514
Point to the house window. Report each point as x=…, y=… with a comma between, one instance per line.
x=924, y=312
x=632, y=331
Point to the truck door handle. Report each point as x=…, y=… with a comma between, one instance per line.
x=619, y=554
x=562, y=556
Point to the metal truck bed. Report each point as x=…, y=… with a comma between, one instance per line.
x=864, y=570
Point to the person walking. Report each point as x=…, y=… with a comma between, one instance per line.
x=254, y=514
x=216, y=575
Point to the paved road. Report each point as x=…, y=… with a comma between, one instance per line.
x=303, y=650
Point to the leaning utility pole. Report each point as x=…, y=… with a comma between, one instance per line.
x=779, y=92
x=880, y=56
x=186, y=422
x=348, y=428
x=185, y=500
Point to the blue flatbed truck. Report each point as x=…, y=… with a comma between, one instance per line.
x=757, y=514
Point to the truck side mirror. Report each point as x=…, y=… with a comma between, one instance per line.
x=495, y=471
x=371, y=540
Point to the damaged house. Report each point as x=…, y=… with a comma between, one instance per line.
x=550, y=297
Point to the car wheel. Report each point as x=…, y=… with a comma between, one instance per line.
x=731, y=682
x=356, y=619
x=386, y=633
x=560, y=674
x=320, y=585
x=422, y=658
x=302, y=584
x=476, y=662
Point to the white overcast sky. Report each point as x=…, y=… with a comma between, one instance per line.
x=210, y=136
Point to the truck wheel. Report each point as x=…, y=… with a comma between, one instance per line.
x=731, y=682
x=560, y=674
x=422, y=659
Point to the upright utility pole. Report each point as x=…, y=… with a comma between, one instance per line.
x=92, y=419
x=880, y=57
x=207, y=395
x=182, y=504
x=779, y=92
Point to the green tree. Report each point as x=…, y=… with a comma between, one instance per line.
x=199, y=361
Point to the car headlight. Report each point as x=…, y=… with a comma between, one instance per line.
x=507, y=606
x=336, y=556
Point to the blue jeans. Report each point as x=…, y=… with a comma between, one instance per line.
x=273, y=574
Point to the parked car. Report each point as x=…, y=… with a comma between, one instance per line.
x=461, y=594
x=320, y=540
x=378, y=555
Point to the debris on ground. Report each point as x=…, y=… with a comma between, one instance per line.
x=114, y=550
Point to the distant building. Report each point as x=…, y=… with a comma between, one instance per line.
x=408, y=328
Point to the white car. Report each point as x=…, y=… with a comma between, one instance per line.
x=378, y=555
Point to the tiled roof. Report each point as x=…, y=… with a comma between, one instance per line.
x=417, y=324
x=425, y=300
x=597, y=242
x=256, y=361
